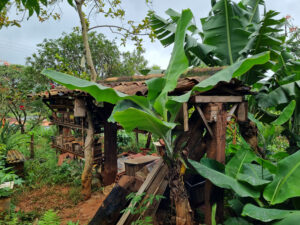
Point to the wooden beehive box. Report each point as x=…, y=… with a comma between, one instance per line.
x=134, y=165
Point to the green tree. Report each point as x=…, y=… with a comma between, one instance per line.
x=66, y=54
x=234, y=31
x=17, y=83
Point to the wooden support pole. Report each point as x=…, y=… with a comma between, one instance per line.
x=185, y=117
x=216, y=150
x=148, y=140
x=110, y=167
x=137, y=140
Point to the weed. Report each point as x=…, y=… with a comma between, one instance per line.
x=143, y=203
x=75, y=195
x=50, y=217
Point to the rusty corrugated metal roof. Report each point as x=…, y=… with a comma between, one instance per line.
x=136, y=85
x=14, y=156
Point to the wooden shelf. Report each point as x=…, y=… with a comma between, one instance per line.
x=80, y=155
x=71, y=125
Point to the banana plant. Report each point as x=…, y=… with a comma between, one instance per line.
x=266, y=183
x=157, y=111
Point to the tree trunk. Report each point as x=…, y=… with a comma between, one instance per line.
x=32, y=146
x=22, y=128
x=85, y=38
x=179, y=195
x=86, y=177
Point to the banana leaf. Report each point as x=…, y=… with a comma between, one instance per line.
x=235, y=165
x=225, y=30
x=286, y=182
x=254, y=175
x=222, y=180
x=286, y=114
x=265, y=214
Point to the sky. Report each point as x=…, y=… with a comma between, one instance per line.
x=18, y=43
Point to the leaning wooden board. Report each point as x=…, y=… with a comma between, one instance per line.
x=151, y=176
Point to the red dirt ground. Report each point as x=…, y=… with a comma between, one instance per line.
x=56, y=198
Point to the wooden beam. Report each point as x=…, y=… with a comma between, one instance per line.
x=151, y=176
x=231, y=112
x=220, y=99
x=204, y=120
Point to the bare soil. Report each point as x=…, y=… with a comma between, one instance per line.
x=56, y=198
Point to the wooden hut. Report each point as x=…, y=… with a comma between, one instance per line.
x=203, y=132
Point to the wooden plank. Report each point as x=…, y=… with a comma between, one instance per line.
x=154, y=187
x=204, y=120
x=185, y=117
x=142, y=189
x=160, y=189
x=142, y=159
x=231, y=112
x=220, y=99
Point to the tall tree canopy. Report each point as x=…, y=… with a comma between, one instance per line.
x=66, y=54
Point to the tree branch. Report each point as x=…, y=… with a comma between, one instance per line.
x=117, y=27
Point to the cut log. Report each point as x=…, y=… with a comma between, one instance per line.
x=109, y=211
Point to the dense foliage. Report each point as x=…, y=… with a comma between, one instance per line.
x=16, y=85
x=66, y=54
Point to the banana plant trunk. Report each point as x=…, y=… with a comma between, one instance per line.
x=178, y=195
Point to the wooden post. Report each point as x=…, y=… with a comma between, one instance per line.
x=216, y=150
x=148, y=140
x=137, y=140
x=185, y=117
x=110, y=167
x=32, y=146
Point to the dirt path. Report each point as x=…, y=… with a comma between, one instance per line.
x=56, y=198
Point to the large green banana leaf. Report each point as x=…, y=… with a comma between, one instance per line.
x=265, y=37
x=236, y=221
x=235, y=165
x=286, y=182
x=195, y=51
x=267, y=215
x=281, y=95
x=292, y=219
x=254, y=175
x=177, y=65
x=238, y=69
x=225, y=30
x=252, y=8
x=286, y=114
x=131, y=116
x=222, y=180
